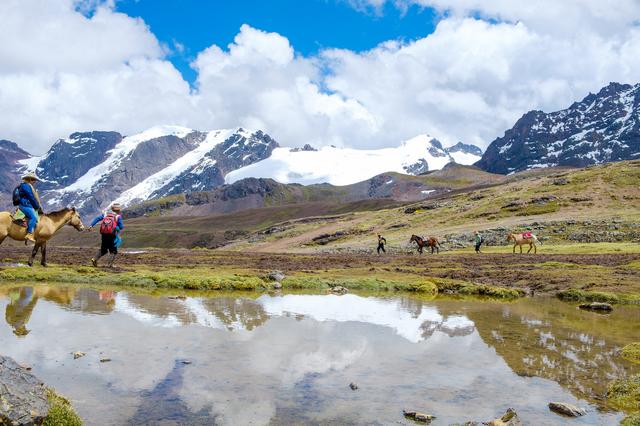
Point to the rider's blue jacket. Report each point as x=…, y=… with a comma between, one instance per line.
x=27, y=197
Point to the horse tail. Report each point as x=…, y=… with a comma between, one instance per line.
x=536, y=240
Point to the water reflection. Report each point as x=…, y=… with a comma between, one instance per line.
x=288, y=359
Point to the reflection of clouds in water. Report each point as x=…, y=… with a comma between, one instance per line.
x=350, y=307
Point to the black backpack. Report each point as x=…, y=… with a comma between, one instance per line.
x=16, y=196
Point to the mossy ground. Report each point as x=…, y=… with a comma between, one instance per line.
x=205, y=279
x=625, y=393
x=631, y=352
x=61, y=412
x=632, y=420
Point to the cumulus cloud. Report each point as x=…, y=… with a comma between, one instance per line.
x=486, y=63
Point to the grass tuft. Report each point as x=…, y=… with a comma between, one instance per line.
x=631, y=352
x=625, y=393
x=61, y=413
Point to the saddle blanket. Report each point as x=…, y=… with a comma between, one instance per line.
x=20, y=219
x=527, y=234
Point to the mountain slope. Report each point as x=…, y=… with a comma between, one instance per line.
x=603, y=127
x=343, y=166
x=251, y=193
x=10, y=157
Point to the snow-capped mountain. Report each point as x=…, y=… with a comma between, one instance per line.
x=602, y=127
x=91, y=170
x=344, y=166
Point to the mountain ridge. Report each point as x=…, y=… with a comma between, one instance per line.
x=602, y=127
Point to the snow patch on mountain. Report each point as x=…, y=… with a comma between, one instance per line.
x=345, y=166
x=120, y=152
x=193, y=159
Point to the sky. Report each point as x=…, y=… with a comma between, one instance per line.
x=353, y=73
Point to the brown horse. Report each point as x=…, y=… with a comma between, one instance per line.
x=521, y=240
x=431, y=242
x=48, y=226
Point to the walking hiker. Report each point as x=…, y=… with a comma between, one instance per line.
x=110, y=227
x=479, y=241
x=381, y=242
x=26, y=198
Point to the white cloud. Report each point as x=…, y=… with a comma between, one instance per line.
x=62, y=71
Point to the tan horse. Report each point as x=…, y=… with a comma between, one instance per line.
x=431, y=242
x=521, y=240
x=48, y=226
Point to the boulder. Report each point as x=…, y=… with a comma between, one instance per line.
x=353, y=386
x=596, y=306
x=277, y=286
x=566, y=409
x=510, y=418
x=418, y=416
x=77, y=355
x=339, y=289
x=23, y=398
x=276, y=276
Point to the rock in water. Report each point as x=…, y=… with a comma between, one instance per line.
x=353, y=386
x=277, y=286
x=566, y=409
x=277, y=276
x=77, y=355
x=23, y=398
x=597, y=306
x=339, y=289
x=510, y=418
x=418, y=416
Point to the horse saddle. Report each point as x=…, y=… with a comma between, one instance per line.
x=20, y=219
x=527, y=234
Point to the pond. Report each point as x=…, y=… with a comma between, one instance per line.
x=252, y=358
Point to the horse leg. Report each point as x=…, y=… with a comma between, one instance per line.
x=36, y=247
x=43, y=260
x=514, y=248
x=530, y=247
x=520, y=248
x=535, y=248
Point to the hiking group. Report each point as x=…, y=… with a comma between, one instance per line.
x=29, y=223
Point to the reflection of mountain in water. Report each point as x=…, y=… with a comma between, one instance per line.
x=220, y=312
x=548, y=342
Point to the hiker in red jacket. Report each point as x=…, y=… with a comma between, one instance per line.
x=109, y=228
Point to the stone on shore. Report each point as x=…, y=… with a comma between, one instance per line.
x=418, y=416
x=596, y=306
x=276, y=276
x=23, y=398
x=566, y=409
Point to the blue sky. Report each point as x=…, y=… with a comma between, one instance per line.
x=310, y=25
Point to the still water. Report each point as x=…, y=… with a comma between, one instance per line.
x=251, y=358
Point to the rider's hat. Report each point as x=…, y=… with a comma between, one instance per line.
x=116, y=207
x=30, y=176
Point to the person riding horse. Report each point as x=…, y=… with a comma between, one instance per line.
x=29, y=203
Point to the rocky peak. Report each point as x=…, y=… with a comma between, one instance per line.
x=465, y=148
x=601, y=127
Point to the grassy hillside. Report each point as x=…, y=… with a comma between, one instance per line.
x=600, y=203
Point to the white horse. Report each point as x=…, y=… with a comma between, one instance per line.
x=521, y=240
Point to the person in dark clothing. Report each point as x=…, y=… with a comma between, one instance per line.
x=381, y=242
x=110, y=227
x=30, y=203
x=479, y=240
